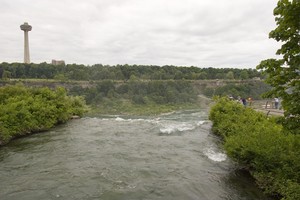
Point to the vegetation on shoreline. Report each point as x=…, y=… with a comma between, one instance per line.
x=260, y=145
x=27, y=110
x=139, y=97
x=139, y=92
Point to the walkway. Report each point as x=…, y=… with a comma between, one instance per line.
x=267, y=107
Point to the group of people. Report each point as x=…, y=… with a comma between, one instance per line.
x=249, y=101
x=243, y=101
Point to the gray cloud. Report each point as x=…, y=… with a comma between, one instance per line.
x=219, y=33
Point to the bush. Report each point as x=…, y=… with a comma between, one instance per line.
x=27, y=110
x=260, y=145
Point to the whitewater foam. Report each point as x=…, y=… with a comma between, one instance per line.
x=120, y=119
x=200, y=123
x=171, y=128
x=212, y=154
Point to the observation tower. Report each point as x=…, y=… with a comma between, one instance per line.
x=26, y=28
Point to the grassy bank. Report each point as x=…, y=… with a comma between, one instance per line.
x=27, y=110
x=260, y=145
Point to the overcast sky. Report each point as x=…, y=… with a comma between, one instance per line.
x=202, y=33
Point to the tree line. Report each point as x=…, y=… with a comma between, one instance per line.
x=121, y=72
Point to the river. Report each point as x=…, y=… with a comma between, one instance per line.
x=170, y=157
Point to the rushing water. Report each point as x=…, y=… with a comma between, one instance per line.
x=165, y=157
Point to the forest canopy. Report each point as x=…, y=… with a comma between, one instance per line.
x=121, y=72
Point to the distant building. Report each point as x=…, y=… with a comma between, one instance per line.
x=58, y=62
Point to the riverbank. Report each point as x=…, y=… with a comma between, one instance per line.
x=259, y=144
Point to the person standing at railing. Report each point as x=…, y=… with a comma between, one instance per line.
x=276, y=100
x=244, y=101
x=250, y=101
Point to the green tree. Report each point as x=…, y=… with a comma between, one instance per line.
x=284, y=74
x=60, y=77
x=6, y=74
x=230, y=75
x=202, y=75
x=244, y=75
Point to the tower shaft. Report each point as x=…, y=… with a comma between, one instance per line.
x=26, y=48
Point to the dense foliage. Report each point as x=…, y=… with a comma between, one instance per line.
x=260, y=145
x=245, y=90
x=159, y=92
x=120, y=72
x=284, y=74
x=27, y=110
x=110, y=96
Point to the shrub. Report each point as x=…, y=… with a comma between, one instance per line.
x=260, y=145
x=26, y=110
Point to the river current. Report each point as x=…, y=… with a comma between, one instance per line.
x=170, y=157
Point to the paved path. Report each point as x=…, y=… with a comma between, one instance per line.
x=270, y=111
x=267, y=107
